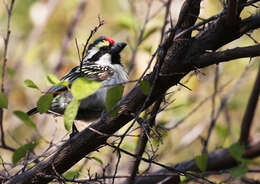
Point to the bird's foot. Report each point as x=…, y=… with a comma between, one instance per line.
x=74, y=130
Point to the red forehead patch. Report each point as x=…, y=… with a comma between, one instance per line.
x=109, y=40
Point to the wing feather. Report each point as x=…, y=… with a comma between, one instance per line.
x=94, y=72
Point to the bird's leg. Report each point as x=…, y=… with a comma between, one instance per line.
x=74, y=130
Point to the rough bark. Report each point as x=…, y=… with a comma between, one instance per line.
x=177, y=56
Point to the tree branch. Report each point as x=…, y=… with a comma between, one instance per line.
x=217, y=160
x=227, y=55
x=250, y=110
x=176, y=58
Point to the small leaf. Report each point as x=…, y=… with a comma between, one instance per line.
x=246, y=161
x=145, y=87
x=30, y=84
x=71, y=113
x=25, y=118
x=71, y=174
x=21, y=152
x=202, y=161
x=237, y=150
x=84, y=87
x=3, y=100
x=52, y=80
x=114, y=94
x=239, y=171
x=44, y=103
x=184, y=179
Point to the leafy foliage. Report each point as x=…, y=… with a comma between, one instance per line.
x=53, y=80
x=71, y=113
x=239, y=171
x=114, y=94
x=71, y=174
x=30, y=84
x=20, y=152
x=201, y=161
x=237, y=150
x=44, y=103
x=84, y=87
x=25, y=118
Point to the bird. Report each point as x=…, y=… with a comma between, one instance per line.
x=102, y=62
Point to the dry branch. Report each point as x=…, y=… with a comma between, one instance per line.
x=176, y=58
x=250, y=110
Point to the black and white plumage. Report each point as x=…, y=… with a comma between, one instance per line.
x=102, y=63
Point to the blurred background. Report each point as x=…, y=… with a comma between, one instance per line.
x=42, y=42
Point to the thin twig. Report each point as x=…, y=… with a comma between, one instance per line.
x=250, y=110
x=194, y=27
x=196, y=108
x=227, y=96
x=140, y=38
x=182, y=173
x=117, y=165
x=213, y=122
x=6, y=43
x=143, y=141
x=101, y=22
x=167, y=13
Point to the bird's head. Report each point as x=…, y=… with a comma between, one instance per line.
x=104, y=51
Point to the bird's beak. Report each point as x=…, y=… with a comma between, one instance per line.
x=117, y=47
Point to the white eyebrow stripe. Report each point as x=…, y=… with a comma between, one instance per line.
x=91, y=53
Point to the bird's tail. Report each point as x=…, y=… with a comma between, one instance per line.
x=32, y=111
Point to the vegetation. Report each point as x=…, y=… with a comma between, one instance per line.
x=188, y=113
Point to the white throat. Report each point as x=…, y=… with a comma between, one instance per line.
x=104, y=60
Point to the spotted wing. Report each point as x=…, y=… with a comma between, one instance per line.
x=94, y=72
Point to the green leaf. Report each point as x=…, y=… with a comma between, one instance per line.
x=183, y=179
x=25, y=118
x=3, y=100
x=145, y=87
x=237, y=150
x=202, y=161
x=71, y=174
x=239, y=171
x=44, y=103
x=71, y=113
x=30, y=84
x=84, y=87
x=21, y=152
x=52, y=80
x=114, y=94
